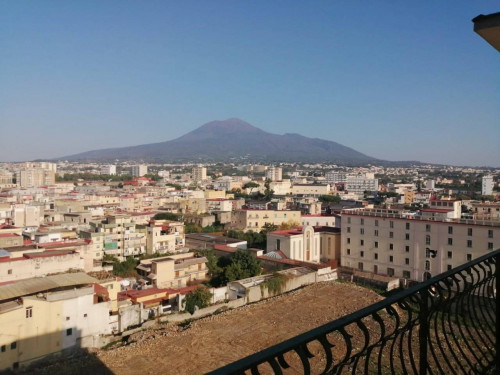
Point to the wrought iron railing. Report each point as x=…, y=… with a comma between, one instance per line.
x=445, y=325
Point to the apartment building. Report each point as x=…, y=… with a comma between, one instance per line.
x=255, y=220
x=360, y=184
x=487, y=185
x=486, y=210
x=163, y=236
x=199, y=173
x=274, y=174
x=108, y=169
x=335, y=177
x=139, y=170
x=397, y=244
x=174, y=271
x=119, y=235
x=311, y=189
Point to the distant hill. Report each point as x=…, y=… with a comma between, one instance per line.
x=233, y=138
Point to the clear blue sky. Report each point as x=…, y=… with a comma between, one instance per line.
x=396, y=80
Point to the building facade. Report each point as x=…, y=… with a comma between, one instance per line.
x=391, y=243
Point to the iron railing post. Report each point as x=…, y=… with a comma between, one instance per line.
x=423, y=333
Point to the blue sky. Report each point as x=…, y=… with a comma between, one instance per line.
x=396, y=80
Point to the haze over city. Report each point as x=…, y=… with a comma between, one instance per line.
x=394, y=81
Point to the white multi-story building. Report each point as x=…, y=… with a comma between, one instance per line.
x=487, y=185
x=274, y=173
x=398, y=244
x=139, y=170
x=360, y=184
x=108, y=169
x=199, y=173
x=335, y=177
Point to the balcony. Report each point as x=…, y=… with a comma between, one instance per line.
x=445, y=325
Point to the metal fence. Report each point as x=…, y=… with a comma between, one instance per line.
x=445, y=325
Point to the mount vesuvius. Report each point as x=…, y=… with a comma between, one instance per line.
x=233, y=138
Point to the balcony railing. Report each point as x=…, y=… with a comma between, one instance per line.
x=445, y=325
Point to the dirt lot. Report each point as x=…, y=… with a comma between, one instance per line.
x=211, y=342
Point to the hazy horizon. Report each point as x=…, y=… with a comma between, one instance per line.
x=394, y=81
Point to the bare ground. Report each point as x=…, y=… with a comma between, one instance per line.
x=212, y=342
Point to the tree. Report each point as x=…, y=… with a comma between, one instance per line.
x=199, y=297
x=330, y=199
x=250, y=185
x=167, y=216
x=268, y=192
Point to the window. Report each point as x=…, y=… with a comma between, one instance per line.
x=376, y=233
x=391, y=234
x=450, y=255
x=450, y=241
x=375, y=269
x=391, y=258
x=348, y=229
x=376, y=244
x=427, y=227
x=406, y=274
x=29, y=312
x=469, y=231
x=390, y=272
x=362, y=221
x=407, y=226
x=3, y=348
x=69, y=331
x=348, y=220
x=490, y=233
x=469, y=243
x=427, y=240
x=469, y=257
x=375, y=256
x=450, y=230
x=84, y=315
x=360, y=266
x=407, y=249
x=449, y=267
x=362, y=254
x=427, y=265
x=67, y=318
x=391, y=246
x=427, y=253
x=9, y=272
x=348, y=240
x=362, y=230
x=348, y=251
x=490, y=245
x=407, y=236
x=391, y=224
x=13, y=345
x=376, y=223
x=278, y=245
x=362, y=242
x=407, y=260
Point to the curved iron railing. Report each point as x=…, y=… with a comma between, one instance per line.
x=445, y=325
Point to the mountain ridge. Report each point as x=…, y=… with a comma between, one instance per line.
x=232, y=138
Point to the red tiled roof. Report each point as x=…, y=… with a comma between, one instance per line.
x=9, y=235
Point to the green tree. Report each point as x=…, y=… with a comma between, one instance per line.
x=330, y=198
x=251, y=184
x=268, y=192
x=167, y=216
x=199, y=297
x=126, y=268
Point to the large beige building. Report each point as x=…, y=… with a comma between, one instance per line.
x=274, y=173
x=311, y=189
x=394, y=243
x=255, y=220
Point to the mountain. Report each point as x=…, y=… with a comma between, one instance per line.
x=233, y=138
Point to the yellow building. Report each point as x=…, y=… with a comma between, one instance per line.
x=255, y=220
x=44, y=316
